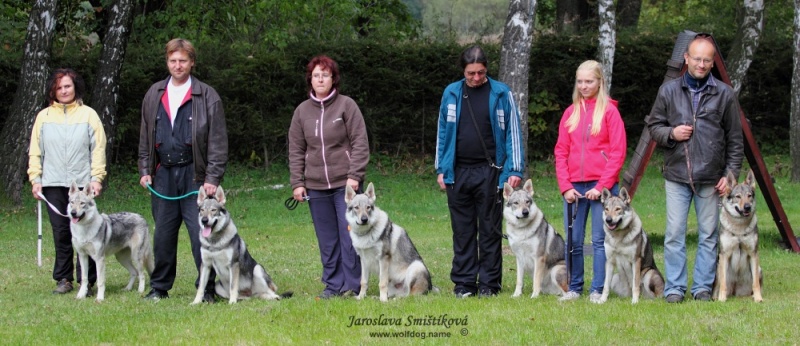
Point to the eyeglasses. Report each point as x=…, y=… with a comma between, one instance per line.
x=323, y=76
x=698, y=60
x=478, y=73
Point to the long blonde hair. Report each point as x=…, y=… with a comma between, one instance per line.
x=578, y=101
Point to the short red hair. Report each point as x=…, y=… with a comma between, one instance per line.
x=326, y=63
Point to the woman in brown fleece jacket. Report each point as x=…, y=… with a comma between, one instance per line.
x=328, y=149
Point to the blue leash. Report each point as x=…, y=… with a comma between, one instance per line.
x=167, y=197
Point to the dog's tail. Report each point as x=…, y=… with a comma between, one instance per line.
x=287, y=294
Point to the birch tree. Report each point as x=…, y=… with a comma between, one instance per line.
x=106, y=87
x=607, y=39
x=751, y=23
x=515, y=56
x=794, y=127
x=29, y=98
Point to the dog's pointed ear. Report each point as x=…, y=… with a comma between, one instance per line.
x=507, y=190
x=624, y=195
x=73, y=188
x=370, y=192
x=201, y=195
x=88, y=190
x=731, y=181
x=528, y=187
x=604, y=195
x=751, y=179
x=349, y=193
x=219, y=195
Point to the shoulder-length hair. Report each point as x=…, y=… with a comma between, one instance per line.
x=578, y=102
x=55, y=79
x=326, y=63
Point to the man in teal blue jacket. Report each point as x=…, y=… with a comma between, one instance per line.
x=479, y=147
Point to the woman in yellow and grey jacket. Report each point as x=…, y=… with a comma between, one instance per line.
x=68, y=144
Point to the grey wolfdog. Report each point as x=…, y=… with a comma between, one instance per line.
x=125, y=235
x=738, y=269
x=221, y=247
x=536, y=245
x=629, y=250
x=384, y=248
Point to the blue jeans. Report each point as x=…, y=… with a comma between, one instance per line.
x=578, y=235
x=679, y=197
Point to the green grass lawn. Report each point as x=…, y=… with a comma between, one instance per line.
x=284, y=242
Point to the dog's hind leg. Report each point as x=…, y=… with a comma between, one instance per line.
x=127, y=258
x=262, y=284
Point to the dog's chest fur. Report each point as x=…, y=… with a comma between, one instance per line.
x=526, y=238
x=372, y=238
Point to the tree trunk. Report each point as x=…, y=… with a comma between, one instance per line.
x=628, y=12
x=607, y=39
x=751, y=21
x=794, y=127
x=515, y=57
x=29, y=98
x=106, y=87
x=570, y=15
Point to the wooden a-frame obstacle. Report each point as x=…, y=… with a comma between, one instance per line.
x=644, y=149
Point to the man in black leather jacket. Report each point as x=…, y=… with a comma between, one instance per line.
x=696, y=121
x=183, y=145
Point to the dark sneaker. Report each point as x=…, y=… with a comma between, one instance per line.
x=209, y=297
x=674, y=298
x=487, y=293
x=703, y=296
x=462, y=293
x=327, y=295
x=63, y=286
x=156, y=294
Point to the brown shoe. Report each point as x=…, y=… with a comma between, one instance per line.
x=63, y=287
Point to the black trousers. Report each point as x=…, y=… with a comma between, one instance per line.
x=168, y=215
x=63, y=267
x=475, y=216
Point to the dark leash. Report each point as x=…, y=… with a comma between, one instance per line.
x=291, y=203
x=572, y=213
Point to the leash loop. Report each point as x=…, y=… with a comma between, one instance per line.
x=51, y=206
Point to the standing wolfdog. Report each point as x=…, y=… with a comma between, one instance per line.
x=221, y=247
x=536, y=245
x=384, y=248
x=629, y=250
x=738, y=270
x=125, y=235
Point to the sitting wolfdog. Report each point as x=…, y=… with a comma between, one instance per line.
x=738, y=270
x=384, y=248
x=628, y=250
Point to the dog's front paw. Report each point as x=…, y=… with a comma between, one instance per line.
x=232, y=301
x=98, y=300
x=384, y=298
x=81, y=294
x=598, y=299
x=516, y=294
x=196, y=301
x=635, y=300
x=535, y=295
x=758, y=299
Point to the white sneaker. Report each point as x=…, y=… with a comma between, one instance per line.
x=571, y=295
x=595, y=297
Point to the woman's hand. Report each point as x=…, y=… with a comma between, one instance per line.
x=36, y=190
x=299, y=194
